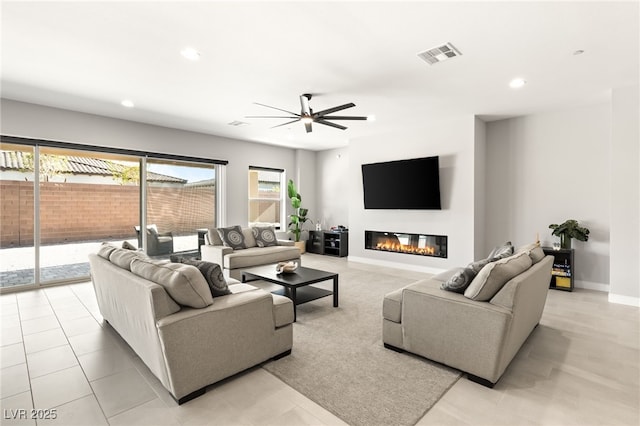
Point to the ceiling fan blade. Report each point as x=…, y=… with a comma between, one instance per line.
x=279, y=109
x=334, y=109
x=343, y=117
x=307, y=127
x=284, y=124
x=328, y=123
x=270, y=116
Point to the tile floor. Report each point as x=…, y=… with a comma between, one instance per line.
x=581, y=366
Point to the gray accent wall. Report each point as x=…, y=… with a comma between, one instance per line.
x=549, y=167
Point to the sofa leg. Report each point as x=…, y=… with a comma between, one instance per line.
x=191, y=396
x=393, y=348
x=282, y=355
x=480, y=381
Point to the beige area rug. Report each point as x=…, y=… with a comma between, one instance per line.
x=339, y=361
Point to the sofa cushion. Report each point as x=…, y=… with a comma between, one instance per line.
x=392, y=306
x=282, y=310
x=496, y=274
x=249, y=240
x=123, y=257
x=105, y=250
x=184, y=283
x=534, y=250
x=265, y=236
x=128, y=246
x=500, y=252
x=260, y=256
x=232, y=237
x=460, y=280
x=212, y=273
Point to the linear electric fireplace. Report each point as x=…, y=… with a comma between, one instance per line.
x=397, y=242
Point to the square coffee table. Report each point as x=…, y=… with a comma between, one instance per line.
x=296, y=285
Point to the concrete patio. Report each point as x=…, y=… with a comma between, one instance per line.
x=61, y=262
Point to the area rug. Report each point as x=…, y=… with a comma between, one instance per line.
x=339, y=361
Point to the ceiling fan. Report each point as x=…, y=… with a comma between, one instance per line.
x=307, y=116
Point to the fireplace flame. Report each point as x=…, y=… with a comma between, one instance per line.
x=403, y=248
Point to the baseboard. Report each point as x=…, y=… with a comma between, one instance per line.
x=624, y=300
x=397, y=265
x=590, y=285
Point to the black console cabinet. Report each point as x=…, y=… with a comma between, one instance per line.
x=563, y=268
x=331, y=243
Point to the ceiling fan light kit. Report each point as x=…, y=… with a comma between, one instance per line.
x=307, y=116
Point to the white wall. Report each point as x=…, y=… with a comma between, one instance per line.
x=40, y=122
x=625, y=197
x=332, y=188
x=450, y=138
x=479, y=181
x=546, y=168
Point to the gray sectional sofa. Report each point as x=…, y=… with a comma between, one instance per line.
x=188, y=338
x=233, y=261
x=480, y=331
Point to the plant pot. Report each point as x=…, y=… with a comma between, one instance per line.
x=565, y=241
x=302, y=246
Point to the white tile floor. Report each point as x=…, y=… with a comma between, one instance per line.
x=580, y=367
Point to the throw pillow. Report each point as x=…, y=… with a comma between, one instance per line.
x=495, y=275
x=265, y=236
x=479, y=264
x=128, y=246
x=184, y=283
x=105, y=250
x=214, y=237
x=212, y=273
x=534, y=250
x=459, y=281
x=232, y=237
x=502, y=251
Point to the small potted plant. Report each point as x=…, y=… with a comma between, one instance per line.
x=568, y=230
x=299, y=217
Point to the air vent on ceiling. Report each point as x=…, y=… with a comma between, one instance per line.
x=439, y=54
x=237, y=123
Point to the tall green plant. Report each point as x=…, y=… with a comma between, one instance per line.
x=300, y=215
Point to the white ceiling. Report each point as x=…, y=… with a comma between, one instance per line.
x=88, y=56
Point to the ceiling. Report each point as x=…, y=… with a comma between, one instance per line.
x=89, y=56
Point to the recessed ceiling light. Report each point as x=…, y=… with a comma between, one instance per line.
x=190, y=53
x=517, y=83
x=578, y=52
x=127, y=103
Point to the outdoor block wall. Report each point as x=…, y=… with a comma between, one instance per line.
x=88, y=212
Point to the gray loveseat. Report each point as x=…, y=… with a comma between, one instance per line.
x=187, y=338
x=234, y=261
x=479, y=337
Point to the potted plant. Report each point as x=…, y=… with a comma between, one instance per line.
x=299, y=217
x=568, y=230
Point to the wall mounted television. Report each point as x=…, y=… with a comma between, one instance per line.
x=412, y=184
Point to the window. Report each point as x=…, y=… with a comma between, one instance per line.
x=266, y=197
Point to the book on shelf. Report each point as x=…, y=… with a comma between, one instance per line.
x=563, y=282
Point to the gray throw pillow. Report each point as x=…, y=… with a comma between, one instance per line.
x=212, y=273
x=265, y=236
x=128, y=246
x=502, y=251
x=459, y=281
x=479, y=264
x=232, y=237
x=495, y=275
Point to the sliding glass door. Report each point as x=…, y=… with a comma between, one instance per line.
x=17, y=244
x=180, y=206
x=87, y=197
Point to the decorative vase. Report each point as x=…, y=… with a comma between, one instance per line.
x=302, y=246
x=565, y=241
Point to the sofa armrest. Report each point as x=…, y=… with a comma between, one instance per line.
x=203, y=346
x=451, y=329
x=286, y=243
x=215, y=254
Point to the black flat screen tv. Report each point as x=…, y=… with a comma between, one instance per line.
x=412, y=184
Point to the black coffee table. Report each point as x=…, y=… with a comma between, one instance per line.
x=296, y=285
